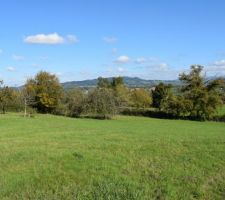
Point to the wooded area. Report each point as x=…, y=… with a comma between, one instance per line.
x=197, y=98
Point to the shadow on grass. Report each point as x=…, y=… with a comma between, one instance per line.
x=164, y=115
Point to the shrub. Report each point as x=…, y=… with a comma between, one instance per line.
x=75, y=102
x=101, y=103
x=140, y=98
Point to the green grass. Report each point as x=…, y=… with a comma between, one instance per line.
x=50, y=157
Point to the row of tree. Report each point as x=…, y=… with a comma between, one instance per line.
x=44, y=94
x=196, y=98
x=108, y=99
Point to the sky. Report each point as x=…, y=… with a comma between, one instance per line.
x=85, y=39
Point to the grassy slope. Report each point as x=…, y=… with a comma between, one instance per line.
x=51, y=157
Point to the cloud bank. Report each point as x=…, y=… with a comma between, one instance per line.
x=11, y=69
x=52, y=38
x=122, y=59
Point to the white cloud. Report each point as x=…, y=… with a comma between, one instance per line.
x=216, y=67
x=72, y=39
x=171, y=74
x=11, y=69
x=141, y=60
x=123, y=59
x=110, y=39
x=162, y=66
x=1, y=51
x=120, y=69
x=58, y=74
x=220, y=63
x=17, y=57
x=53, y=38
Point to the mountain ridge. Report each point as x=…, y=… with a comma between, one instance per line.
x=128, y=81
x=131, y=82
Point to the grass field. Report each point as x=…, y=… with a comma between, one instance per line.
x=50, y=157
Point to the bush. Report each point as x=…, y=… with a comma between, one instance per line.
x=101, y=103
x=61, y=109
x=140, y=98
x=219, y=118
x=75, y=102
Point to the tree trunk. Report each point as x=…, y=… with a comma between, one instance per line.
x=3, y=109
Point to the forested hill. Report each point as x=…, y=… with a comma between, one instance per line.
x=132, y=82
x=129, y=82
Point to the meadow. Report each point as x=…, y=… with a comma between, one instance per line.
x=52, y=157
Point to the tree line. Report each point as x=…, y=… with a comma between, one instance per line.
x=195, y=99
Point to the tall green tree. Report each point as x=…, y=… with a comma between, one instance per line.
x=160, y=94
x=120, y=91
x=205, y=97
x=103, y=83
x=47, y=91
x=116, y=81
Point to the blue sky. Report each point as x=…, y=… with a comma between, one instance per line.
x=84, y=39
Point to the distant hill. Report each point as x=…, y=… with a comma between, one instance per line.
x=129, y=82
